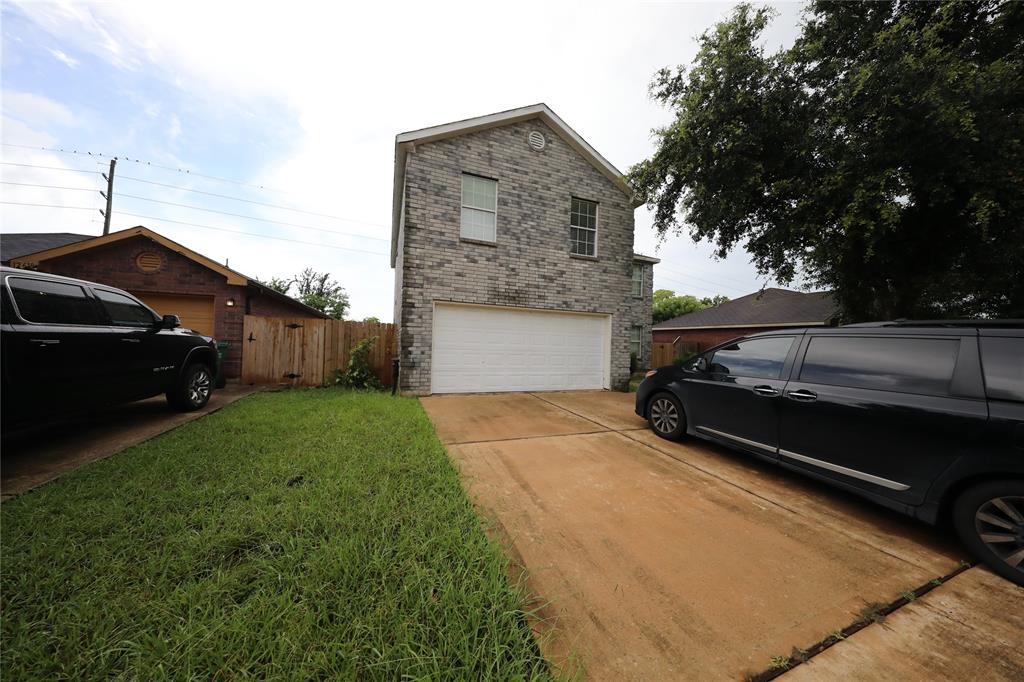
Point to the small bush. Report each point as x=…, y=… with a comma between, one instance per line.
x=359, y=374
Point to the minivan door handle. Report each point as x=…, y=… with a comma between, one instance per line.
x=767, y=391
x=803, y=395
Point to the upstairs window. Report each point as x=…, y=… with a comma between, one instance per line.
x=479, y=208
x=583, y=227
x=638, y=279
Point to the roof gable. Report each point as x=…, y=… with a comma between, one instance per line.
x=32, y=259
x=767, y=308
x=405, y=142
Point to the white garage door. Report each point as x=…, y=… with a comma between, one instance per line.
x=482, y=349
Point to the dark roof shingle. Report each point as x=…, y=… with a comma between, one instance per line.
x=18, y=244
x=767, y=307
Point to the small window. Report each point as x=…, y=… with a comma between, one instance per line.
x=1003, y=358
x=53, y=302
x=583, y=227
x=124, y=311
x=755, y=358
x=636, y=346
x=479, y=208
x=923, y=366
x=638, y=279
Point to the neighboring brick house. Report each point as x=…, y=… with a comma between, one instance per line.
x=170, y=278
x=512, y=244
x=757, y=312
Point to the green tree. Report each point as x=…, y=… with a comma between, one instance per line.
x=375, y=320
x=315, y=289
x=880, y=156
x=665, y=304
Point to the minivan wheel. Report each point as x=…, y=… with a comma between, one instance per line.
x=666, y=417
x=989, y=518
x=193, y=390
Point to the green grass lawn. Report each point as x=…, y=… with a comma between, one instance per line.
x=308, y=534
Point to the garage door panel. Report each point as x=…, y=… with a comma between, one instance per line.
x=196, y=312
x=480, y=349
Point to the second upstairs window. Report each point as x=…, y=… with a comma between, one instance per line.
x=479, y=208
x=583, y=227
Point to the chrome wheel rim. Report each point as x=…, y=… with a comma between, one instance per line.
x=1000, y=525
x=199, y=387
x=664, y=415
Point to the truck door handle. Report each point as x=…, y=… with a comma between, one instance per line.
x=45, y=342
x=767, y=391
x=803, y=395
x=129, y=340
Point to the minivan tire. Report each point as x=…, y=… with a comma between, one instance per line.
x=666, y=417
x=193, y=390
x=994, y=510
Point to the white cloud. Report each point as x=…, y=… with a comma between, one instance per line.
x=63, y=57
x=355, y=74
x=36, y=110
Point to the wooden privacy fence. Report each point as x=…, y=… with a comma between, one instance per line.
x=305, y=351
x=662, y=354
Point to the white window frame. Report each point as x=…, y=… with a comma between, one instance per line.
x=597, y=221
x=638, y=282
x=463, y=205
x=638, y=329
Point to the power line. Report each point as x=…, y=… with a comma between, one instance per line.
x=250, y=201
x=248, y=217
x=717, y=285
x=56, y=168
x=249, y=234
x=142, y=162
x=205, y=227
x=691, y=286
x=70, y=208
x=29, y=184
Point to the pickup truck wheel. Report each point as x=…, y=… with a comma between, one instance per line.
x=193, y=390
x=989, y=518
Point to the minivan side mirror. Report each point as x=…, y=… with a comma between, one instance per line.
x=170, y=322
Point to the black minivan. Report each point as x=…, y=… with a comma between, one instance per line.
x=923, y=417
x=72, y=346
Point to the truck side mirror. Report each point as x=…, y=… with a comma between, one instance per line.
x=170, y=322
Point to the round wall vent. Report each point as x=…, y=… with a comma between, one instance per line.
x=147, y=261
x=536, y=140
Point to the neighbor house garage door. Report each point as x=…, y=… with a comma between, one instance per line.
x=196, y=312
x=481, y=349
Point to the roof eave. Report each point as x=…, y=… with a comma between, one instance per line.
x=740, y=325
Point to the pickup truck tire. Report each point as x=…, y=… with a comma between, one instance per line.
x=193, y=390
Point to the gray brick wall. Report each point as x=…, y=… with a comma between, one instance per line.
x=530, y=264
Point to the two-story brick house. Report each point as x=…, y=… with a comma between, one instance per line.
x=512, y=245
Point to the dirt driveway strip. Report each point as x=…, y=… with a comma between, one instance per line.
x=661, y=560
x=39, y=455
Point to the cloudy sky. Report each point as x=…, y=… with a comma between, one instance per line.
x=288, y=112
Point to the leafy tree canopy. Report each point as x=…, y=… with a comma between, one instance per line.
x=880, y=156
x=665, y=304
x=315, y=289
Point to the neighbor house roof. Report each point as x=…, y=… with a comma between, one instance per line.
x=646, y=259
x=86, y=242
x=16, y=244
x=405, y=142
x=766, y=308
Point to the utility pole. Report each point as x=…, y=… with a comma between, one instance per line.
x=109, y=196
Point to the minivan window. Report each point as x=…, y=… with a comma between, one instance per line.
x=907, y=365
x=53, y=302
x=124, y=311
x=1003, y=359
x=756, y=358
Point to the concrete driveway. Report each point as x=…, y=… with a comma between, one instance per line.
x=35, y=456
x=659, y=560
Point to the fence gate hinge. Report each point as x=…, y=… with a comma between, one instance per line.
x=292, y=375
x=293, y=325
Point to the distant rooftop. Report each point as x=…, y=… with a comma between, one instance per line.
x=17, y=244
x=766, y=308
